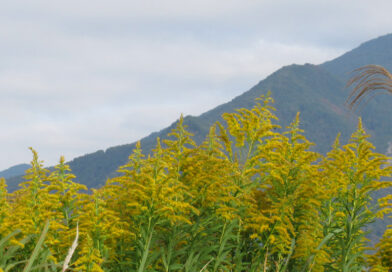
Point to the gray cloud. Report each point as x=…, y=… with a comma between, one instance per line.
x=77, y=76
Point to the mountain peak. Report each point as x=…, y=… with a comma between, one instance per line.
x=14, y=170
x=317, y=91
x=376, y=51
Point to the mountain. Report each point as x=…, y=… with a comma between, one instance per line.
x=16, y=170
x=317, y=91
x=376, y=51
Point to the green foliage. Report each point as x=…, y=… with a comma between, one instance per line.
x=38, y=261
x=350, y=208
x=248, y=198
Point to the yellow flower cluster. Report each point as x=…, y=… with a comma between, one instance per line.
x=251, y=197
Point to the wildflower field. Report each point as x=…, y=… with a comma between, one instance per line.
x=248, y=198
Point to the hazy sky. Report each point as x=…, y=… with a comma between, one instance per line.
x=78, y=76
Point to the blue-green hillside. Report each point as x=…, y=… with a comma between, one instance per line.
x=317, y=91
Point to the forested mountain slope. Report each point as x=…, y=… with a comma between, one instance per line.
x=317, y=91
x=14, y=170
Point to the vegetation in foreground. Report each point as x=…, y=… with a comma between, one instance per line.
x=247, y=199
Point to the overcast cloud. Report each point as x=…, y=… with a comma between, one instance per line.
x=78, y=76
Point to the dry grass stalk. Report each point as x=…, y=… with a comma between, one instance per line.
x=71, y=250
x=367, y=80
x=265, y=261
x=205, y=266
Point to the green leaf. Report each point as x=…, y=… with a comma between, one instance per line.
x=37, y=248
